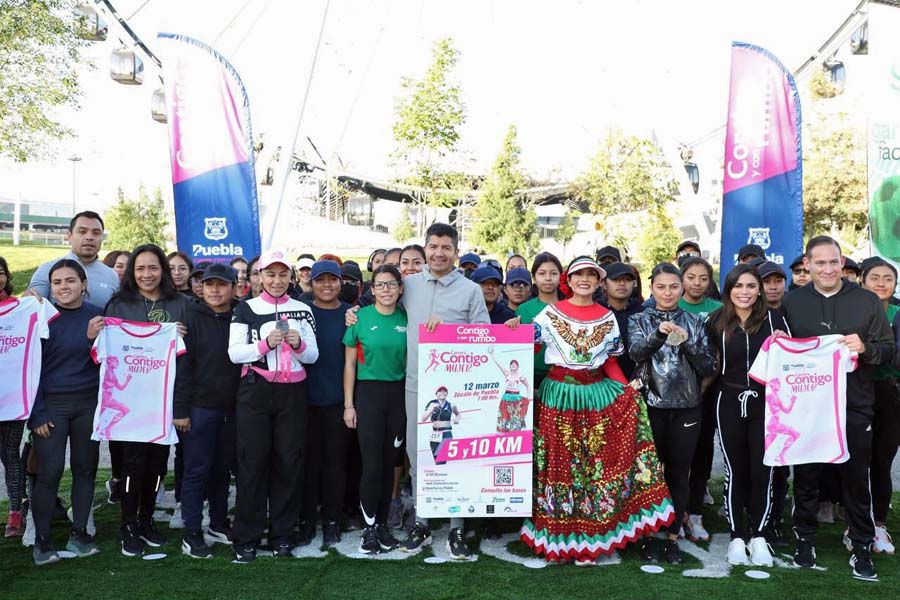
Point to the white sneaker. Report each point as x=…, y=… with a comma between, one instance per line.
x=707, y=497
x=695, y=530
x=826, y=512
x=760, y=555
x=176, y=522
x=30, y=531
x=848, y=543
x=883, y=542
x=737, y=552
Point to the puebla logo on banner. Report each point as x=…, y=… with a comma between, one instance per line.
x=762, y=187
x=211, y=148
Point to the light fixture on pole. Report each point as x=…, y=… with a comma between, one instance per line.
x=75, y=159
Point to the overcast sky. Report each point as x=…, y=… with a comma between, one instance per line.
x=562, y=71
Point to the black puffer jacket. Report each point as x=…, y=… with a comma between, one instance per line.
x=671, y=374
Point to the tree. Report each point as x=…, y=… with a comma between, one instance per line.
x=820, y=87
x=627, y=174
x=659, y=237
x=429, y=115
x=504, y=221
x=566, y=230
x=131, y=223
x=834, y=177
x=39, y=57
x=403, y=229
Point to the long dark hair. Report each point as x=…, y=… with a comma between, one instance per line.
x=8, y=288
x=539, y=260
x=110, y=259
x=725, y=320
x=129, y=289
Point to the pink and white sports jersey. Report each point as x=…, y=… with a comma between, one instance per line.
x=806, y=399
x=137, y=379
x=23, y=321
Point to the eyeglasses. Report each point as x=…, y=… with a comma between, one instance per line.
x=800, y=271
x=391, y=285
x=688, y=253
x=349, y=282
x=518, y=285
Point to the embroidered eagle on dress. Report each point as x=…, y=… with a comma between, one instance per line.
x=581, y=341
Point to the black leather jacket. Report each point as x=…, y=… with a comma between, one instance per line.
x=671, y=374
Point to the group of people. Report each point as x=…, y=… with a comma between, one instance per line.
x=299, y=379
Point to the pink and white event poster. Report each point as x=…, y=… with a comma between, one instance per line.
x=137, y=380
x=476, y=402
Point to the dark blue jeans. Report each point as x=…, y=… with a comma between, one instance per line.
x=209, y=457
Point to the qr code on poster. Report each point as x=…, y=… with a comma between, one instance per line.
x=503, y=476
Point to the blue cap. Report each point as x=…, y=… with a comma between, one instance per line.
x=324, y=267
x=518, y=274
x=469, y=257
x=486, y=273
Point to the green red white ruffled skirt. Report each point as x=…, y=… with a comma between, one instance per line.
x=598, y=482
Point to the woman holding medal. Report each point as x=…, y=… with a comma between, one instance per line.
x=672, y=355
x=598, y=484
x=272, y=335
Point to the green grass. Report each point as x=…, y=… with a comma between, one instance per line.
x=24, y=259
x=110, y=575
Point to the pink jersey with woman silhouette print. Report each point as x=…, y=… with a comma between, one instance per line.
x=806, y=399
x=137, y=379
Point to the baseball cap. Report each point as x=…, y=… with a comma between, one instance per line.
x=687, y=244
x=751, y=250
x=875, y=261
x=273, y=257
x=769, y=268
x=518, y=274
x=305, y=263
x=469, y=257
x=755, y=262
x=324, y=267
x=609, y=252
x=486, y=273
x=797, y=261
x=220, y=271
x=199, y=268
x=351, y=271
x=618, y=270
x=585, y=262
x=849, y=263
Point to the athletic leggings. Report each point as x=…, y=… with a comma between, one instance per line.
x=885, y=437
x=748, y=482
x=143, y=469
x=73, y=417
x=325, y=462
x=675, y=432
x=10, y=455
x=381, y=428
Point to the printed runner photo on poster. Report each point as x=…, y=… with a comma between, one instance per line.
x=475, y=421
x=806, y=399
x=137, y=379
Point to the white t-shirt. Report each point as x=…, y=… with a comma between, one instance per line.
x=23, y=321
x=137, y=380
x=806, y=399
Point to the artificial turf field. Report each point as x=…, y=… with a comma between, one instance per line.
x=111, y=575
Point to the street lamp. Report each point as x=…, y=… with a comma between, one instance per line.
x=75, y=160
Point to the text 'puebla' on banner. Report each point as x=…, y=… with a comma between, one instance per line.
x=762, y=199
x=211, y=147
x=883, y=104
x=474, y=421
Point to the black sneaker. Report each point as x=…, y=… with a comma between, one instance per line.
x=221, y=534
x=805, y=554
x=193, y=545
x=43, y=552
x=331, y=532
x=456, y=545
x=861, y=561
x=132, y=544
x=368, y=543
x=245, y=555
x=306, y=533
x=282, y=549
x=151, y=536
x=113, y=489
x=81, y=543
x=386, y=539
x=672, y=553
x=650, y=551
x=776, y=538
x=419, y=536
